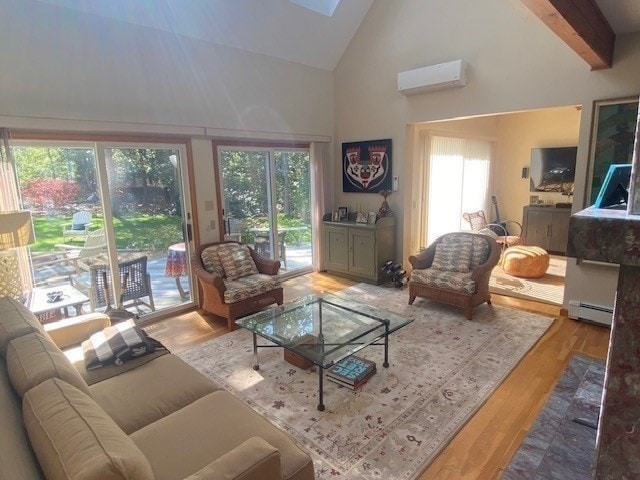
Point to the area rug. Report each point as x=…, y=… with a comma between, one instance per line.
x=547, y=289
x=442, y=369
x=562, y=441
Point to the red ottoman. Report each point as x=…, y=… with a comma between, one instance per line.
x=524, y=261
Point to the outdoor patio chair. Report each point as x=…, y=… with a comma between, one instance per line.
x=78, y=227
x=136, y=287
x=455, y=269
x=56, y=267
x=262, y=245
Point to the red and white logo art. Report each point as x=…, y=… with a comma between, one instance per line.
x=366, y=173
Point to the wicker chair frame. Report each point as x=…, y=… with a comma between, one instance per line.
x=211, y=288
x=480, y=275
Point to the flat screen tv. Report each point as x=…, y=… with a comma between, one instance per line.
x=553, y=169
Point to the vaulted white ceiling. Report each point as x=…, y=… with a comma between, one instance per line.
x=278, y=28
x=622, y=15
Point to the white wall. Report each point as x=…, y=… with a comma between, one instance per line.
x=516, y=64
x=518, y=133
x=60, y=65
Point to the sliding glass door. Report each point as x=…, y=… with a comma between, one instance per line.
x=458, y=182
x=266, y=196
x=111, y=222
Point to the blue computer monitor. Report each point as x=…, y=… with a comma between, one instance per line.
x=614, y=192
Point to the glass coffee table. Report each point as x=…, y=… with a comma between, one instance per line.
x=323, y=329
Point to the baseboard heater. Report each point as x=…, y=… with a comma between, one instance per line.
x=590, y=313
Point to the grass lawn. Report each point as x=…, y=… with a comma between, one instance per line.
x=133, y=232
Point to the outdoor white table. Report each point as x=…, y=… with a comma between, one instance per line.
x=47, y=311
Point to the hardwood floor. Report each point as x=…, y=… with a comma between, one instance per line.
x=485, y=445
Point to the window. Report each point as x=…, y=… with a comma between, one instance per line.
x=458, y=178
x=266, y=196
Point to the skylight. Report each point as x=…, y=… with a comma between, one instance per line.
x=325, y=7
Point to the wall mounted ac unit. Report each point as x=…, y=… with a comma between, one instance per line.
x=435, y=77
x=590, y=313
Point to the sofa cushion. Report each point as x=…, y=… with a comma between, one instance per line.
x=196, y=436
x=15, y=320
x=211, y=261
x=453, y=254
x=236, y=260
x=17, y=460
x=75, y=439
x=33, y=358
x=250, y=286
x=456, y=281
x=145, y=394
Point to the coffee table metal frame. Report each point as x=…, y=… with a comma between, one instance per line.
x=372, y=326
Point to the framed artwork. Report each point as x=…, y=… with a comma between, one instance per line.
x=343, y=214
x=366, y=166
x=612, y=137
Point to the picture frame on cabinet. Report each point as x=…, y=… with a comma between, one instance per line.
x=343, y=214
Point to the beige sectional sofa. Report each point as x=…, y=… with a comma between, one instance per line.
x=157, y=418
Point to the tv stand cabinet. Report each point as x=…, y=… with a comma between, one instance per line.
x=358, y=250
x=547, y=227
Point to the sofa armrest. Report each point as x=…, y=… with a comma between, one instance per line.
x=255, y=459
x=70, y=331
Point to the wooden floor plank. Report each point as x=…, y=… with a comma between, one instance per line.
x=484, y=446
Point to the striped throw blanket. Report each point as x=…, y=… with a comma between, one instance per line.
x=117, y=344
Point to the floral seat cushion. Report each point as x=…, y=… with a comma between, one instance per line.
x=249, y=286
x=456, y=281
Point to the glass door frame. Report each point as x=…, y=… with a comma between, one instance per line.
x=270, y=148
x=98, y=143
x=187, y=215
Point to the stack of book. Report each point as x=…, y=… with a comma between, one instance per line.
x=352, y=372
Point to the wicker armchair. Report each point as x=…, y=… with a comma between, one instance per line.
x=215, y=291
x=462, y=289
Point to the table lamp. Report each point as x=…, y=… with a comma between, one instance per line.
x=16, y=230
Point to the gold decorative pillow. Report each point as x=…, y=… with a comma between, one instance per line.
x=236, y=261
x=211, y=261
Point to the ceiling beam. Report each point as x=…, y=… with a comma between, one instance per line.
x=581, y=25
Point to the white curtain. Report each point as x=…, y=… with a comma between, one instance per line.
x=319, y=201
x=10, y=201
x=458, y=179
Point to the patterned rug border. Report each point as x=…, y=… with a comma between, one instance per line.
x=434, y=396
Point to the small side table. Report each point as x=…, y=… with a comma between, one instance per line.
x=176, y=266
x=46, y=311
